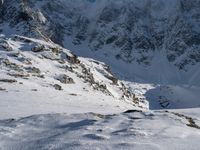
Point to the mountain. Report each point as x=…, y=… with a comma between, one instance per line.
x=143, y=41
x=47, y=76
x=129, y=33
x=104, y=74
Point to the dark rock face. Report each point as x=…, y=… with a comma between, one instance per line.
x=8, y=80
x=1, y=6
x=57, y=87
x=134, y=29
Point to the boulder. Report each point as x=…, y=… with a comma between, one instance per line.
x=8, y=80
x=40, y=48
x=57, y=87
x=65, y=79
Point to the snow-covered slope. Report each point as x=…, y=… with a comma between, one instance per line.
x=131, y=56
x=127, y=131
x=42, y=77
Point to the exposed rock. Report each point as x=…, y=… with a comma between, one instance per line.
x=24, y=60
x=33, y=70
x=73, y=59
x=2, y=89
x=61, y=61
x=57, y=87
x=191, y=121
x=6, y=46
x=19, y=75
x=50, y=55
x=132, y=111
x=128, y=94
x=69, y=68
x=39, y=48
x=73, y=94
x=87, y=75
x=164, y=102
x=8, y=80
x=55, y=50
x=7, y=62
x=22, y=39
x=14, y=54
x=111, y=76
x=34, y=90
x=65, y=79
x=12, y=66
x=39, y=75
x=101, y=87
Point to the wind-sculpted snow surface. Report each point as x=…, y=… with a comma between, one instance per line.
x=131, y=130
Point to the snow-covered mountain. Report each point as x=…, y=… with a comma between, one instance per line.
x=131, y=34
x=45, y=73
x=143, y=41
x=98, y=74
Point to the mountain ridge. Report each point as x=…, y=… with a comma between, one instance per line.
x=145, y=42
x=133, y=30
x=104, y=74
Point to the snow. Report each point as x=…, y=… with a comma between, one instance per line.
x=34, y=115
x=146, y=81
x=35, y=95
x=18, y=103
x=91, y=130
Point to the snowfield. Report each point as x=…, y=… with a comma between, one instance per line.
x=132, y=130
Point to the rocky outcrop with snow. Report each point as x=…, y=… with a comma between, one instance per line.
x=130, y=32
x=97, y=74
